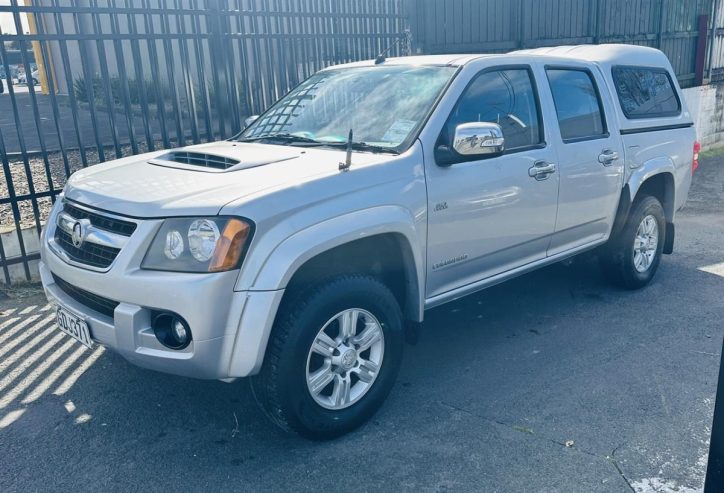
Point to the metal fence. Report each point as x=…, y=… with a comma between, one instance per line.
x=492, y=26
x=86, y=81
x=119, y=77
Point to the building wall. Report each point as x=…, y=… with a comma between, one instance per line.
x=706, y=105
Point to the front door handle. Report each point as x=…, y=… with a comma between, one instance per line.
x=608, y=157
x=541, y=170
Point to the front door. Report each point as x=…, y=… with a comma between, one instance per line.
x=492, y=215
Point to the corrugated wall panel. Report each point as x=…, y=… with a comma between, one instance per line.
x=491, y=26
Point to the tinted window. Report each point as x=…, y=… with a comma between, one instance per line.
x=505, y=97
x=577, y=104
x=646, y=92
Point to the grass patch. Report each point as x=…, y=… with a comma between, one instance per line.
x=717, y=151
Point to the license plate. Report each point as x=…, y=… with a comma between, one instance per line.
x=74, y=326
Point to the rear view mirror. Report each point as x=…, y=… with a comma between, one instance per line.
x=478, y=139
x=472, y=141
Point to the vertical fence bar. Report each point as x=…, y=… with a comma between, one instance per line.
x=200, y=68
x=140, y=78
x=70, y=84
x=215, y=45
x=232, y=92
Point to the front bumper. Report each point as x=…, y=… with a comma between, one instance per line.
x=129, y=332
x=228, y=340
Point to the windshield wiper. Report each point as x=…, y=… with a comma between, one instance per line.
x=290, y=138
x=362, y=146
x=298, y=139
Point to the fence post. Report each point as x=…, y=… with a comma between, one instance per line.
x=218, y=76
x=409, y=9
x=596, y=21
x=713, y=37
x=660, y=29
x=701, y=49
x=521, y=24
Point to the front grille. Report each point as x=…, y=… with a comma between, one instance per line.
x=88, y=253
x=125, y=228
x=102, y=305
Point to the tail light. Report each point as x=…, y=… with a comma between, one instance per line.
x=695, y=159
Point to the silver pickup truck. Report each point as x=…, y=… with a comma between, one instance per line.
x=301, y=251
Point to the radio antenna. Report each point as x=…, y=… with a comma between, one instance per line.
x=348, y=160
x=383, y=56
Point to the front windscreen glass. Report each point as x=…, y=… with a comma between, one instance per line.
x=383, y=106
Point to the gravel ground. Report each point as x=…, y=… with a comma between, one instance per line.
x=41, y=181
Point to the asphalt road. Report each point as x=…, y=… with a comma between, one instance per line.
x=551, y=382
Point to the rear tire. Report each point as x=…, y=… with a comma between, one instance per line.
x=631, y=258
x=308, y=348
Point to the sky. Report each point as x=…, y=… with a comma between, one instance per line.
x=7, y=24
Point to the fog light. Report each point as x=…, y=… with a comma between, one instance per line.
x=171, y=330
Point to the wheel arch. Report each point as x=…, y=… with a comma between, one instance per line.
x=298, y=259
x=656, y=179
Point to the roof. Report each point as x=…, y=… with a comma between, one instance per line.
x=451, y=59
x=603, y=54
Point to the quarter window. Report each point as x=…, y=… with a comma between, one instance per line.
x=578, y=105
x=646, y=92
x=505, y=97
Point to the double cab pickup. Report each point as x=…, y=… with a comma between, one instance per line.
x=299, y=252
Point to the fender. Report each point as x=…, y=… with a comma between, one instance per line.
x=281, y=264
x=265, y=295
x=652, y=167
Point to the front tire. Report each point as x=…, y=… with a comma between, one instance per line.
x=332, y=359
x=632, y=257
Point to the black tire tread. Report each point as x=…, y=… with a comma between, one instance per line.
x=265, y=385
x=613, y=260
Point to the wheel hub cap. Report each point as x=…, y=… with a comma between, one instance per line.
x=345, y=359
x=348, y=359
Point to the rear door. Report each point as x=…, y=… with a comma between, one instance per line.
x=590, y=156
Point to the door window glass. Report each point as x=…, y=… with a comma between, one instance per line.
x=578, y=106
x=505, y=97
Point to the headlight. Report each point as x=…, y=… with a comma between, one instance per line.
x=213, y=244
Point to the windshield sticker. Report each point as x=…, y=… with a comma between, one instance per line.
x=399, y=131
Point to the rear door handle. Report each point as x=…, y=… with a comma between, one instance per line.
x=608, y=157
x=541, y=170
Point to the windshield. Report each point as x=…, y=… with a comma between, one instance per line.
x=382, y=105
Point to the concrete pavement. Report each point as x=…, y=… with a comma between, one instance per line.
x=552, y=382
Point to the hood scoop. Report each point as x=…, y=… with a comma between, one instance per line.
x=193, y=160
x=199, y=159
